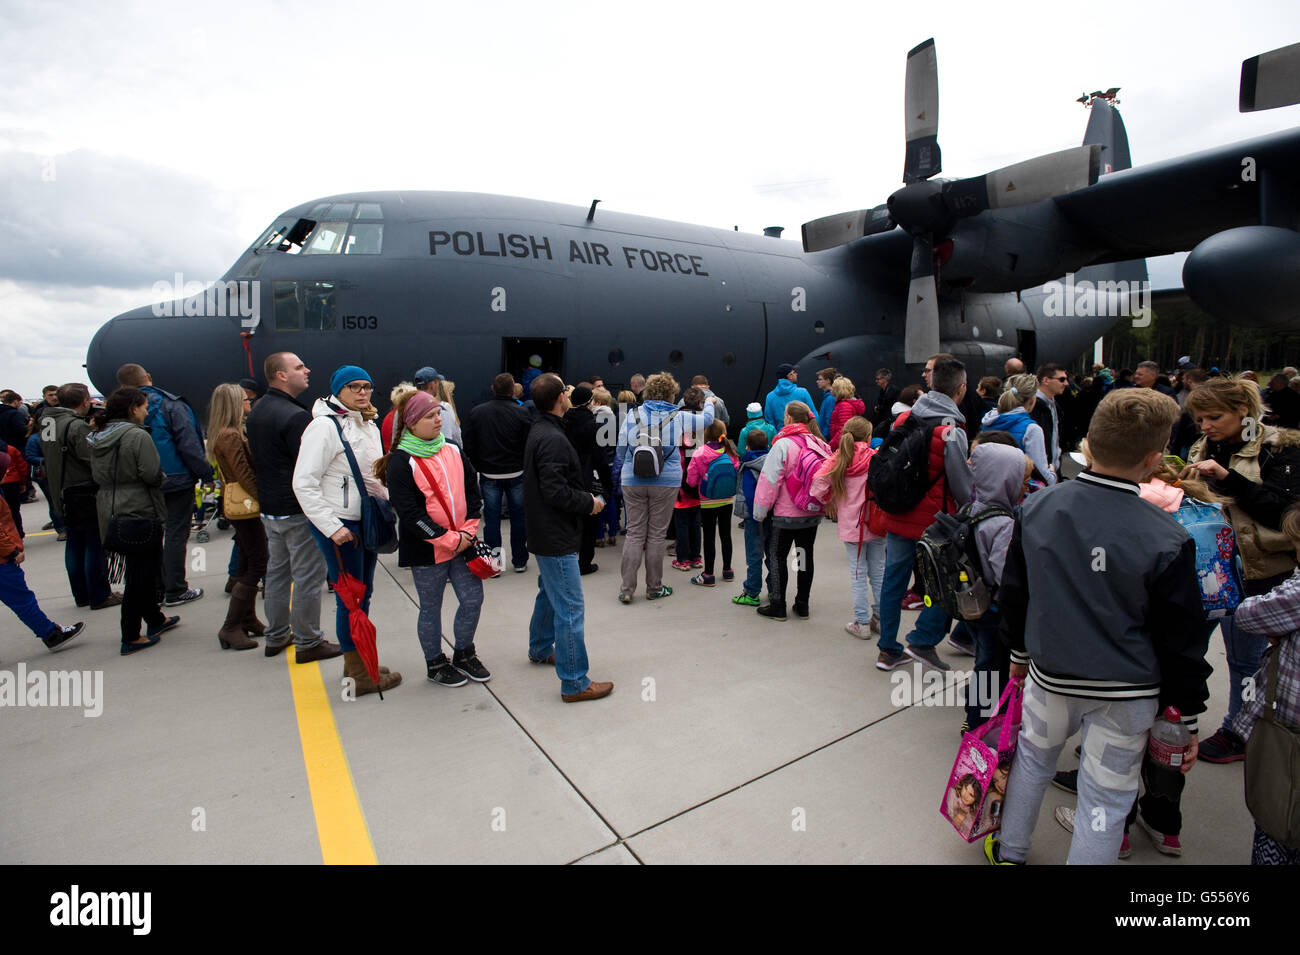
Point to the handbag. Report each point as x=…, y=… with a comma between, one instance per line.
x=129, y=534
x=977, y=785
x=77, y=503
x=378, y=522
x=1273, y=768
x=236, y=503
x=483, y=561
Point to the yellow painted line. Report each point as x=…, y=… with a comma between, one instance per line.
x=340, y=823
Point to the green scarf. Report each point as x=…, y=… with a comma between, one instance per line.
x=418, y=447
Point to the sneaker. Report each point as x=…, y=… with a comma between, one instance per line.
x=1224, y=746
x=589, y=569
x=60, y=637
x=775, y=610
x=800, y=609
x=1125, y=850
x=194, y=593
x=682, y=565
x=49, y=526
x=656, y=594
x=703, y=580
x=202, y=537
x=112, y=600
x=961, y=646
x=1065, y=817
x=993, y=852
x=472, y=668
x=625, y=598
x=521, y=568
x=62, y=535
x=891, y=661
x=855, y=629
x=441, y=672
x=927, y=656
x=728, y=574
x=746, y=600
x=698, y=563
x=875, y=623
x=912, y=601
x=1067, y=781
x=1165, y=845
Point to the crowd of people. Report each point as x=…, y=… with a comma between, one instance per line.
x=1102, y=648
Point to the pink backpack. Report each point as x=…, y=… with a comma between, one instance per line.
x=801, y=469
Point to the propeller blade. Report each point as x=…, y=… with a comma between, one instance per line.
x=1052, y=175
x=921, y=334
x=921, y=114
x=830, y=231
x=1270, y=80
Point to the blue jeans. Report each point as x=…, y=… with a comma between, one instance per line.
x=358, y=562
x=513, y=489
x=900, y=557
x=1244, y=653
x=755, y=551
x=607, y=520
x=866, y=565
x=55, y=517
x=558, y=618
x=18, y=597
x=83, y=558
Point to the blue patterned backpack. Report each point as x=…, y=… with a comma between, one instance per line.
x=1218, y=563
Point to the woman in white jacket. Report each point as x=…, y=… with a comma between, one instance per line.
x=327, y=491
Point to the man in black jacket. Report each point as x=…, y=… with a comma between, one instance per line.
x=495, y=433
x=275, y=429
x=583, y=428
x=556, y=499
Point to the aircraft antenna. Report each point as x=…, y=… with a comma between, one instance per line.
x=591, y=213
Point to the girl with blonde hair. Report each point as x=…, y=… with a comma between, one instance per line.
x=841, y=484
x=1012, y=416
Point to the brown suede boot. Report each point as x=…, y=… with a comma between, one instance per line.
x=250, y=624
x=354, y=667
x=232, y=634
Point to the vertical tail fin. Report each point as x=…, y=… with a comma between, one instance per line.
x=1106, y=128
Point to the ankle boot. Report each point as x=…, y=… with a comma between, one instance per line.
x=356, y=669
x=232, y=635
x=230, y=584
x=249, y=622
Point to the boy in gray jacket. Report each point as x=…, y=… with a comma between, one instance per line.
x=1102, y=611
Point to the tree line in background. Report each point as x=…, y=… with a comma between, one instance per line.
x=1179, y=329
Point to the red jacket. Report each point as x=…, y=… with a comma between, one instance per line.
x=842, y=412
x=913, y=524
x=18, y=468
x=9, y=539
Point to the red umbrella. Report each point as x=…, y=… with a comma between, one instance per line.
x=352, y=591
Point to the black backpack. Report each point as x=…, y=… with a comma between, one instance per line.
x=651, y=450
x=948, y=567
x=900, y=472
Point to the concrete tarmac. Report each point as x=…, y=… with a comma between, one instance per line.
x=728, y=738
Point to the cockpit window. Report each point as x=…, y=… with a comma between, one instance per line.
x=366, y=238
x=341, y=210
x=285, y=236
x=369, y=210
x=318, y=211
x=327, y=239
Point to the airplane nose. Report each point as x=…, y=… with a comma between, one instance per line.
x=183, y=353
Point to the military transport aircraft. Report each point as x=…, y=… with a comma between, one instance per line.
x=473, y=284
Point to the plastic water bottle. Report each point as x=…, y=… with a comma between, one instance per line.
x=1169, y=740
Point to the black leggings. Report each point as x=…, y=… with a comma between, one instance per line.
x=779, y=544
x=719, y=517
x=139, y=595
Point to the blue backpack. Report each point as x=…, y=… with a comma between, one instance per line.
x=1218, y=563
x=156, y=420
x=720, y=479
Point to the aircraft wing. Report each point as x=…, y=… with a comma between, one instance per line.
x=1171, y=206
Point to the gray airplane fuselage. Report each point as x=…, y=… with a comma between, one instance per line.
x=460, y=276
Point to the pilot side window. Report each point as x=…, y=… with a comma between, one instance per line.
x=327, y=239
x=284, y=295
x=318, y=306
x=304, y=306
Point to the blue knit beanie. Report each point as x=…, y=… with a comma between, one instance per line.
x=346, y=374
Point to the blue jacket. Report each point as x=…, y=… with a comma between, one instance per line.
x=654, y=413
x=785, y=392
x=824, y=414
x=751, y=463
x=176, y=434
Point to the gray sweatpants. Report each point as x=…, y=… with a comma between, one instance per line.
x=294, y=559
x=1114, y=739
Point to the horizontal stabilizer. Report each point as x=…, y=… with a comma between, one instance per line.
x=1270, y=80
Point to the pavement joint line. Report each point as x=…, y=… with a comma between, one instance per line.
x=766, y=773
x=340, y=822
x=532, y=739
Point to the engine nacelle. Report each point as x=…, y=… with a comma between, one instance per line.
x=1247, y=276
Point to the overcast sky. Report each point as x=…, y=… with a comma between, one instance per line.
x=142, y=139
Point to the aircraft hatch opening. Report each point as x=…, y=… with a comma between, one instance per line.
x=516, y=355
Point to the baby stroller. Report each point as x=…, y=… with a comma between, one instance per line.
x=207, y=505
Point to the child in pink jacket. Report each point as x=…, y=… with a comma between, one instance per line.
x=841, y=485
x=714, y=513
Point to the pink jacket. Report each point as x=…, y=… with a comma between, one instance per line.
x=449, y=473
x=699, y=466
x=770, y=494
x=1164, y=496
x=855, y=496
